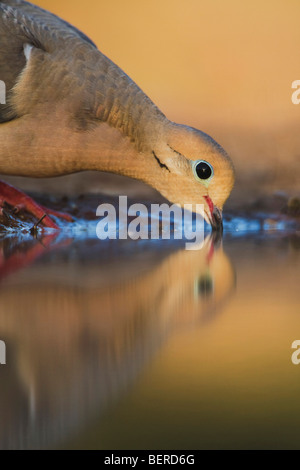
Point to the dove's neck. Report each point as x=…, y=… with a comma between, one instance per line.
x=107, y=148
x=57, y=147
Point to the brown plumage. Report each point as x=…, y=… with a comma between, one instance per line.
x=69, y=108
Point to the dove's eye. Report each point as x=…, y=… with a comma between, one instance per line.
x=202, y=170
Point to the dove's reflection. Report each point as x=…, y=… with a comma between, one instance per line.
x=79, y=329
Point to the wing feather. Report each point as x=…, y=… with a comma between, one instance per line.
x=22, y=23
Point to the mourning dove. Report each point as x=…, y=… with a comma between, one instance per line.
x=69, y=108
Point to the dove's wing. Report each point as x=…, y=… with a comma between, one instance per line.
x=21, y=24
x=46, y=61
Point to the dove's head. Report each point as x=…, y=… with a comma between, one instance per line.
x=194, y=170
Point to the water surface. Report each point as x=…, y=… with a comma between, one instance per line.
x=143, y=344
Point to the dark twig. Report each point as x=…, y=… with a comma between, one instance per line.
x=33, y=229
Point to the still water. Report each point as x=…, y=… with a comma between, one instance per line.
x=143, y=344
